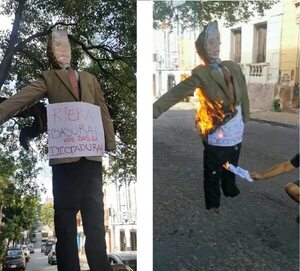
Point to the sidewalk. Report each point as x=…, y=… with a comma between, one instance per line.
x=276, y=118
x=83, y=262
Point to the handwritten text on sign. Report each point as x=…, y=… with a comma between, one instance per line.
x=74, y=130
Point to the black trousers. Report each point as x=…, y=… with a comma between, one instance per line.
x=215, y=175
x=78, y=186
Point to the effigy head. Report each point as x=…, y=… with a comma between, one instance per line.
x=208, y=43
x=59, y=49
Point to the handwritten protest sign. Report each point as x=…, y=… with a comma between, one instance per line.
x=74, y=130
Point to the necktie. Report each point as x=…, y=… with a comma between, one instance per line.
x=74, y=82
x=227, y=76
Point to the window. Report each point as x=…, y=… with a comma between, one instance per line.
x=122, y=240
x=260, y=42
x=171, y=81
x=237, y=37
x=133, y=240
x=154, y=84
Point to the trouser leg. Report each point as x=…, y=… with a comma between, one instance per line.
x=228, y=185
x=66, y=245
x=69, y=185
x=92, y=212
x=212, y=165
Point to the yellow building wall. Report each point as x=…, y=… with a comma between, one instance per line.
x=289, y=52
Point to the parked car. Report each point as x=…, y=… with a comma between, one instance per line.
x=14, y=260
x=52, y=256
x=120, y=267
x=26, y=252
x=48, y=246
x=127, y=258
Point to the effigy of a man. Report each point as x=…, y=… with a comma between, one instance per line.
x=224, y=107
x=76, y=179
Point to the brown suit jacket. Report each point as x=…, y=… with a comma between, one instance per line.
x=213, y=84
x=55, y=85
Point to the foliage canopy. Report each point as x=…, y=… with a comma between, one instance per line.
x=19, y=197
x=191, y=14
x=47, y=215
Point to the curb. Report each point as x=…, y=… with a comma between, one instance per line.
x=275, y=123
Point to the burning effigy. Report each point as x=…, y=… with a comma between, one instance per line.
x=223, y=108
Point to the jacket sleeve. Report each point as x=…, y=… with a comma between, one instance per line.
x=23, y=99
x=244, y=100
x=109, y=133
x=175, y=95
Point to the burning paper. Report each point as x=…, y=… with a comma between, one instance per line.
x=238, y=171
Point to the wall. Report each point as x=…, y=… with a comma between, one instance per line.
x=289, y=56
x=261, y=96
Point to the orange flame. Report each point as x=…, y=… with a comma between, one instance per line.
x=209, y=114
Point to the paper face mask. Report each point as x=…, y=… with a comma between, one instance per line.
x=208, y=43
x=212, y=41
x=61, y=48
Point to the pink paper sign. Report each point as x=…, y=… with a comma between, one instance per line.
x=75, y=129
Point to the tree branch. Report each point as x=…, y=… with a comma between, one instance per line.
x=84, y=48
x=47, y=32
x=99, y=46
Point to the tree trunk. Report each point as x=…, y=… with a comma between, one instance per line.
x=8, y=56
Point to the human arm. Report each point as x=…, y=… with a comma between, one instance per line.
x=175, y=95
x=273, y=171
x=109, y=133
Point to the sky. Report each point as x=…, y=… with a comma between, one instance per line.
x=45, y=178
x=5, y=23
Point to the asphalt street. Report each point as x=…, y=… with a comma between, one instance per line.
x=255, y=231
x=39, y=262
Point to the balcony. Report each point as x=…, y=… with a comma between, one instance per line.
x=256, y=72
x=122, y=217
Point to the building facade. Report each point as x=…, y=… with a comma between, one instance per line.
x=288, y=88
x=120, y=215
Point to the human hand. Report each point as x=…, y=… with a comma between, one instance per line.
x=256, y=176
x=226, y=165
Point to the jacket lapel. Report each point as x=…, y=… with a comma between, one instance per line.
x=63, y=76
x=235, y=83
x=83, y=80
x=217, y=76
